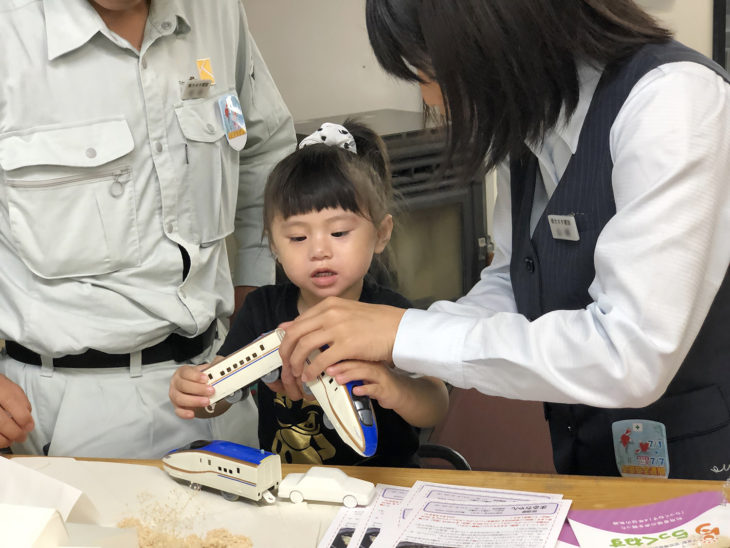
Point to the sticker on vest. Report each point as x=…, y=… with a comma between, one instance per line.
x=233, y=122
x=640, y=447
x=564, y=227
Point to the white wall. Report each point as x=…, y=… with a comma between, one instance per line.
x=319, y=54
x=320, y=57
x=691, y=20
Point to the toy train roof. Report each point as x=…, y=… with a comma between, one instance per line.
x=227, y=449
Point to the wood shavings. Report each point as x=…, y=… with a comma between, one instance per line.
x=154, y=538
x=164, y=524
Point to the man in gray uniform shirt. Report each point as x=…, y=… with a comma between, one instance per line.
x=135, y=136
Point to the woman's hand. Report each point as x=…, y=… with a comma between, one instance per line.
x=189, y=389
x=349, y=330
x=15, y=418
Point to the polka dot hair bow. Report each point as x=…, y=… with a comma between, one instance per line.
x=333, y=135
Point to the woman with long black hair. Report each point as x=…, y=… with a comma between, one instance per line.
x=608, y=296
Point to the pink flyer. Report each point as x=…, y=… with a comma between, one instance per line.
x=699, y=519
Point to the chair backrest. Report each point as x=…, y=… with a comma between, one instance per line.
x=495, y=434
x=442, y=452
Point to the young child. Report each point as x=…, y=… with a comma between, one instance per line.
x=326, y=217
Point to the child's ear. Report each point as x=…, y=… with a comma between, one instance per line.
x=385, y=229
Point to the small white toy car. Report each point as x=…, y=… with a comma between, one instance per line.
x=326, y=484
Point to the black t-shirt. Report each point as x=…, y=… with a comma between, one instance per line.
x=295, y=429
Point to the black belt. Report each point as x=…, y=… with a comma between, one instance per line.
x=174, y=347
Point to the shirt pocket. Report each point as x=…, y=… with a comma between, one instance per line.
x=211, y=177
x=70, y=198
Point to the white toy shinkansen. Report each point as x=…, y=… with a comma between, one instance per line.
x=351, y=416
x=234, y=470
x=245, y=366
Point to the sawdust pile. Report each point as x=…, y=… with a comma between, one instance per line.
x=150, y=537
x=166, y=524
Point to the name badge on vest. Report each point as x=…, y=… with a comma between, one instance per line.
x=564, y=227
x=640, y=447
x=233, y=122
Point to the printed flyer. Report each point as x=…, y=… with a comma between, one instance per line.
x=697, y=520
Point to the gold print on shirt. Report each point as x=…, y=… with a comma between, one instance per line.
x=303, y=442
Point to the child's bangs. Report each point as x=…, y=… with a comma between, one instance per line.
x=316, y=185
x=316, y=194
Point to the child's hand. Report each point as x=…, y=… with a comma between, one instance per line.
x=380, y=381
x=189, y=390
x=420, y=401
x=278, y=387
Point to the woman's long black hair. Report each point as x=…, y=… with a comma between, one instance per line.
x=505, y=67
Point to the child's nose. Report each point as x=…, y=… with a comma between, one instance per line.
x=321, y=249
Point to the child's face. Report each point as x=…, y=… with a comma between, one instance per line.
x=328, y=252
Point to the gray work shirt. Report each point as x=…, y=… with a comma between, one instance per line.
x=106, y=172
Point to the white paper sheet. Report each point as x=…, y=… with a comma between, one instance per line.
x=435, y=524
x=31, y=526
x=426, y=490
x=388, y=497
x=31, y=487
x=148, y=494
x=339, y=533
x=82, y=534
x=428, y=499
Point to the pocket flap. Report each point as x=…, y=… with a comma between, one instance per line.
x=200, y=120
x=85, y=145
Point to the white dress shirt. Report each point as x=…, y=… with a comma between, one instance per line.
x=659, y=261
x=105, y=171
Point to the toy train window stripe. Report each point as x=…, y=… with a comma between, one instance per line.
x=224, y=375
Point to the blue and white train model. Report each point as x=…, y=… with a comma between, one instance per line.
x=234, y=470
x=351, y=416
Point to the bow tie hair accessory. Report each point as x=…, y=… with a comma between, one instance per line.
x=332, y=135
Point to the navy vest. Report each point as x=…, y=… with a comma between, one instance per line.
x=549, y=274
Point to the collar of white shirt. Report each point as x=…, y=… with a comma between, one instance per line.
x=561, y=141
x=72, y=23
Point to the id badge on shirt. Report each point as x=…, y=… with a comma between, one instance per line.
x=641, y=448
x=233, y=122
x=194, y=89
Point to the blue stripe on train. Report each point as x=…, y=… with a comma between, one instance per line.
x=236, y=451
x=370, y=432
